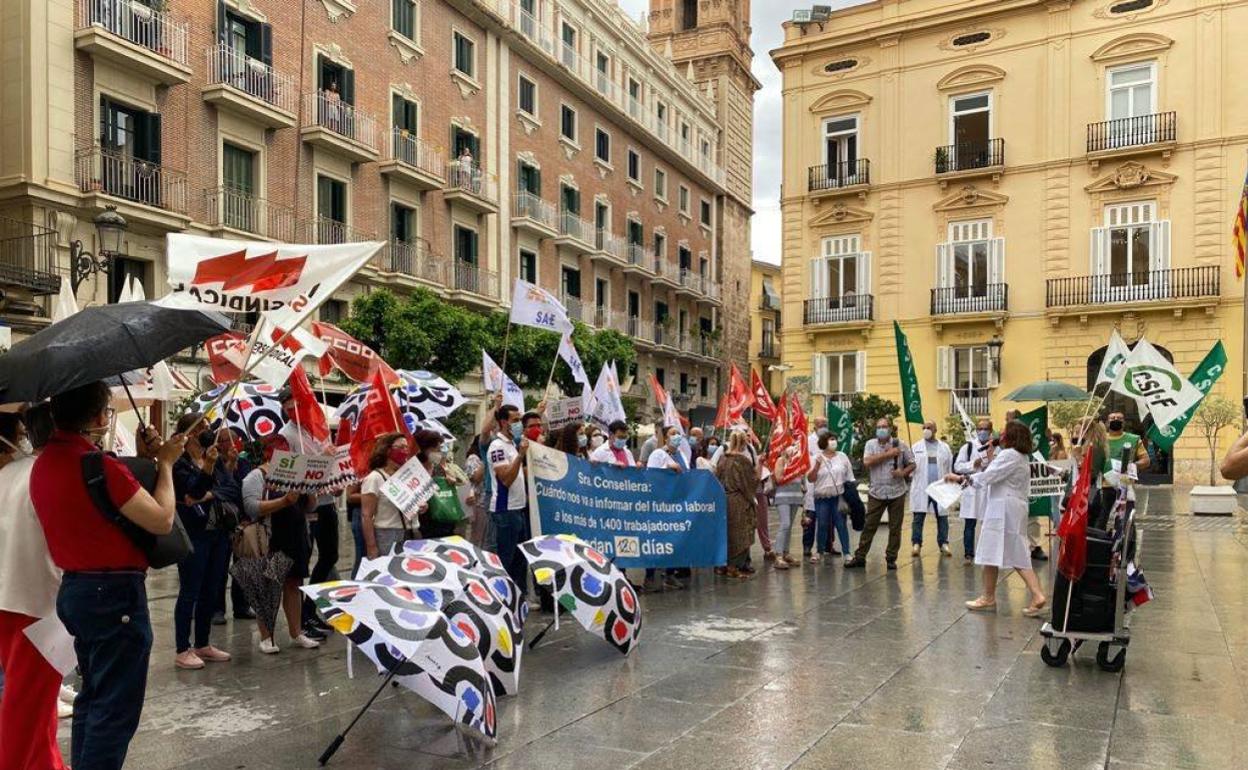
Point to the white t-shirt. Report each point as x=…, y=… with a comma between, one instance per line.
x=506, y=497
x=832, y=471
x=661, y=458
x=388, y=515
x=28, y=578
x=605, y=454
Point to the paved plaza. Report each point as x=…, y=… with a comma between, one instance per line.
x=815, y=668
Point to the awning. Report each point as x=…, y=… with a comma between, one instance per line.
x=770, y=297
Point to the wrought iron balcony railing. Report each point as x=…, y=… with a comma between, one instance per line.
x=134, y=179
x=240, y=210
x=985, y=298
x=137, y=23
x=1132, y=132
x=967, y=156
x=838, y=175
x=1148, y=286
x=843, y=309
x=229, y=66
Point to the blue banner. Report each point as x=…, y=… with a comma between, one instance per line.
x=636, y=517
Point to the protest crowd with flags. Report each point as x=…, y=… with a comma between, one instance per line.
x=561, y=503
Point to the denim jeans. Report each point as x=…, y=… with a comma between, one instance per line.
x=968, y=538
x=106, y=612
x=199, y=577
x=324, y=533
x=920, y=518
x=828, y=517
x=512, y=529
x=357, y=535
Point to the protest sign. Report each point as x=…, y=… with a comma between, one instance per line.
x=637, y=517
x=311, y=474
x=564, y=411
x=409, y=487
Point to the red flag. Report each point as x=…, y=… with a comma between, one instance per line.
x=739, y=396
x=308, y=411
x=378, y=417
x=660, y=394
x=798, y=430
x=223, y=369
x=721, y=414
x=779, y=439
x=352, y=357
x=762, y=399
x=1072, y=555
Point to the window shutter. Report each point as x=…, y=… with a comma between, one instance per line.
x=996, y=260
x=1100, y=265
x=1159, y=243
x=348, y=86
x=944, y=368
x=153, y=137
x=944, y=266
x=819, y=373
x=221, y=22
x=266, y=44
x=818, y=278
x=864, y=273
x=860, y=372
x=537, y=182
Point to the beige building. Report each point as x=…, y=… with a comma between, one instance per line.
x=482, y=140
x=766, y=304
x=1010, y=181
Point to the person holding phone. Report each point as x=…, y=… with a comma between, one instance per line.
x=890, y=464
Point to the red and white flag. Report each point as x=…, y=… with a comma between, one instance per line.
x=270, y=354
x=798, y=429
x=739, y=396
x=378, y=417
x=762, y=399
x=223, y=367
x=351, y=357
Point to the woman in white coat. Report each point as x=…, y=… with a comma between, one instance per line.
x=973, y=456
x=933, y=461
x=1003, y=535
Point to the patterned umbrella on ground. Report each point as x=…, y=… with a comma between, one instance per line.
x=480, y=562
x=419, y=395
x=429, y=654
x=252, y=410
x=261, y=582
x=468, y=600
x=588, y=585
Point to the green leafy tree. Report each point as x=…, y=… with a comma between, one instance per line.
x=1064, y=414
x=865, y=410
x=955, y=433
x=1214, y=414
x=530, y=352
x=421, y=331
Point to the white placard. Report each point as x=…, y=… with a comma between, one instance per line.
x=310, y=474
x=564, y=411
x=409, y=487
x=945, y=493
x=49, y=637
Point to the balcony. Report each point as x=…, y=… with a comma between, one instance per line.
x=135, y=38
x=769, y=347
x=976, y=402
x=328, y=230
x=1129, y=136
x=234, y=213
x=471, y=187
x=577, y=310
x=575, y=233
x=611, y=246
x=142, y=191
x=474, y=284
x=411, y=259
x=665, y=272
x=1177, y=288
x=610, y=319
x=250, y=88
x=414, y=161
x=664, y=334
x=971, y=158
x=638, y=261
x=640, y=330
x=689, y=283
x=847, y=309
x=27, y=261
x=955, y=300
x=534, y=215
x=832, y=179
x=334, y=125
x=533, y=30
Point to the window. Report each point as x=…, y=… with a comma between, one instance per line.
x=688, y=14
x=684, y=200
x=970, y=125
x=839, y=375
x=465, y=54
x=402, y=223
x=570, y=282
x=1130, y=6
x=704, y=266
x=567, y=123
x=570, y=200
x=529, y=178
x=567, y=47
x=527, y=96
x=528, y=18
x=684, y=137
x=660, y=184
x=634, y=166
x=602, y=145
x=704, y=387
x=840, y=281
x=706, y=213
x=840, y=65
x=684, y=383
x=528, y=266
x=129, y=140
x=634, y=304
x=244, y=36
x=334, y=311
x=684, y=257
x=660, y=114
x=660, y=245
x=403, y=18
x=969, y=372
x=602, y=219
x=602, y=63
x=840, y=150
x=461, y=140
x=337, y=83
x=636, y=233
x=331, y=200
x=1130, y=252
x=405, y=119
x=661, y=376
x=122, y=271
x=238, y=208
x=634, y=98
x=767, y=348
x=602, y=293
x=972, y=38
x=969, y=266
x=705, y=149
x=466, y=248
x=1131, y=91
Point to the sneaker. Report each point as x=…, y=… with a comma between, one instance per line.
x=306, y=643
x=64, y=710
x=855, y=563
x=318, y=624
x=212, y=654
x=915, y=550
x=1038, y=554
x=314, y=634
x=849, y=562
x=769, y=556
x=188, y=660
x=781, y=564
x=944, y=550
x=816, y=558
x=68, y=694
x=792, y=561
x=218, y=618
x=269, y=647
x=892, y=565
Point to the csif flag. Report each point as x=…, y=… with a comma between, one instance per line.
x=307, y=414
x=378, y=417
x=1203, y=377
x=350, y=356
x=1072, y=555
x=762, y=399
x=1115, y=356
x=912, y=402
x=781, y=437
x=270, y=354
x=223, y=368
x=841, y=426
x=1157, y=387
x=284, y=282
x=532, y=305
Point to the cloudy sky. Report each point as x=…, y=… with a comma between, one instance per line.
x=766, y=18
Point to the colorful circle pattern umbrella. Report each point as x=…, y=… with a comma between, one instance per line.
x=420, y=396
x=252, y=410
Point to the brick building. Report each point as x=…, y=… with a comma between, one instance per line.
x=480, y=139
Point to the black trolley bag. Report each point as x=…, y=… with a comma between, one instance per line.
x=1092, y=596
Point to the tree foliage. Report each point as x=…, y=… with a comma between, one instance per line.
x=1214, y=414
x=864, y=411
x=955, y=432
x=1064, y=414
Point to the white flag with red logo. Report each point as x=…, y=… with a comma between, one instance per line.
x=268, y=361
x=284, y=282
x=534, y=306
x=352, y=357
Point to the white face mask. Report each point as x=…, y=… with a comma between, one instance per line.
x=597, y=440
x=927, y=434
x=832, y=446
x=435, y=458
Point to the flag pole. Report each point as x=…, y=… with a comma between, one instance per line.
x=506, y=342
x=550, y=378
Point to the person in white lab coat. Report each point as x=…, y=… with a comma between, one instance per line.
x=1003, y=539
x=933, y=461
x=974, y=456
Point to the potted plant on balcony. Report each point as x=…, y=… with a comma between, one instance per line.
x=1212, y=416
x=942, y=159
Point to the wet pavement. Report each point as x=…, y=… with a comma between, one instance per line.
x=818, y=667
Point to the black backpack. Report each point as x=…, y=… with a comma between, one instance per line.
x=161, y=550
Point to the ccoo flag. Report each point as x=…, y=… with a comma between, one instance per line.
x=1157, y=387
x=1203, y=377
x=911, y=400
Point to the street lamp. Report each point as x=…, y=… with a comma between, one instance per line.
x=994, y=355
x=110, y=227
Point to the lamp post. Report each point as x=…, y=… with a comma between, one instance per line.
x=110, y=227
x=994, y=355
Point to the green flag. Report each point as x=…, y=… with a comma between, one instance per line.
x=1206, y=373
x=1037, y=421
x=912, y=402
x=841, y=426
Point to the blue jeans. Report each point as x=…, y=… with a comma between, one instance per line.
x=357, y=536
x=199, y=576
x=920, y=517
x=512, y=528
x=107, y=614
x=827, y=517
x=968, y=538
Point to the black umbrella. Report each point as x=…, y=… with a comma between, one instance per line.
x=100, y=342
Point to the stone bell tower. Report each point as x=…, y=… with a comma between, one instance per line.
x=709, y=40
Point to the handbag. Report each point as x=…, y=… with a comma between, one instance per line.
x=161, y=550
x=251, y=541
x=444, y=506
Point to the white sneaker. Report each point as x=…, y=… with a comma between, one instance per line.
x=68, y=694
x=64, y=710
x=305, y=642
x=269, y=647
x=944, y=549
x=914, y=549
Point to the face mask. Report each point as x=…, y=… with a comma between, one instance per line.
x=1115, y=425
x=534, y=433
x=517, y=431
x=596, y=441
x=882, y=433
x=24, y=445
x=832, y=446
x=677, y=441
x=822, y=432
x=927, y=434
x=397, y=456
x=984, y=436
x=619, y=443
x=582, y=440
x=693, y=441
x=435, y=458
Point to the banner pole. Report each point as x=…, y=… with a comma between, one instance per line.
x=506, y=343
x=550, y=378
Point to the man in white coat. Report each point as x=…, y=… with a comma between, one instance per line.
x=973, y=456
x=933, y=461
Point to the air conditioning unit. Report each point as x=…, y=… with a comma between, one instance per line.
x=801, y=17
x=820, y=12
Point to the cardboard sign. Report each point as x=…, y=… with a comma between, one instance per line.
x=311, y=474
x=564, y=411
x=409, y=487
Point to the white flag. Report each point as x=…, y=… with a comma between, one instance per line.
x=968, y=427
x=534, y=306
x=671, y=418
x=607, y=407
x=156, y=382
x=1155, y=384
x=270, y=362
x=65, y=303
x=495, y=380
x=285, y=282
x=567, y=351
x=1115, y=354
